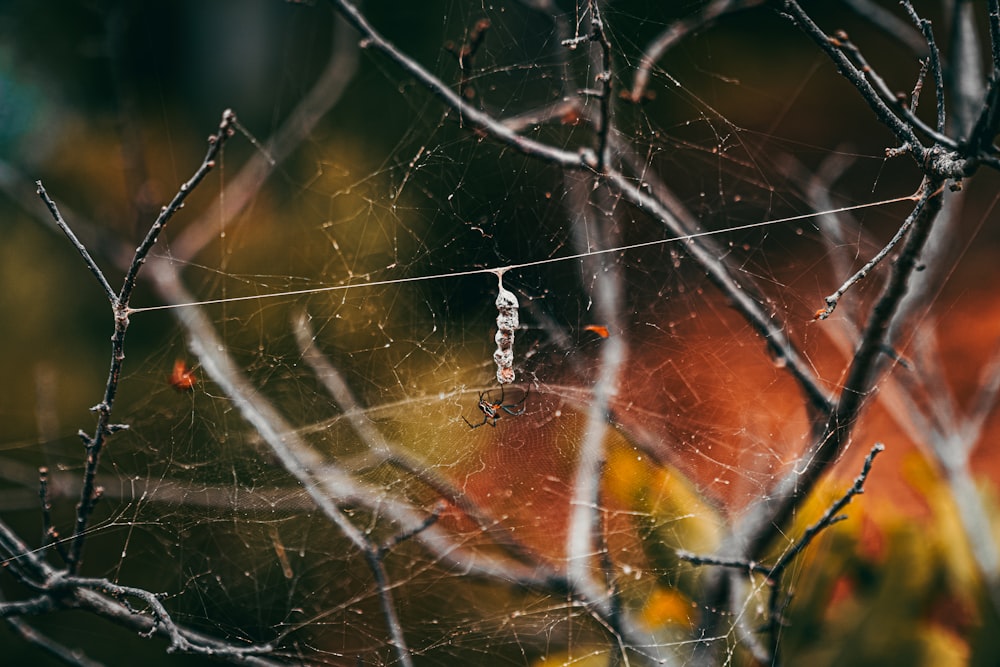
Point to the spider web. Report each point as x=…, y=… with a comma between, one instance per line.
x=350, y=305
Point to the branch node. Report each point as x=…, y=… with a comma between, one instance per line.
x=899, y=151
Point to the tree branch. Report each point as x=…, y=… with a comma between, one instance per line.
x=773, y=573
x=899, y=127
x=89, y=493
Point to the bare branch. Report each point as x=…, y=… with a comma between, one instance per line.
x=91, y=264
x=598, y=34
x=120, y=307
x=162, y=622
x=469, y=114
x=890, y=24
x=768, y=325
x=56, y=589
x=585, y=520
x=773, y=573
x=675, y=33
x=381, y=450
x=49, y=645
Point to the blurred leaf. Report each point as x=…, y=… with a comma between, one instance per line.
x=669, y=607
x=917, y=586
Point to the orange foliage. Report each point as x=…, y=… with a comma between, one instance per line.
x=598, y=329
x=182, y=378
x=666, y=606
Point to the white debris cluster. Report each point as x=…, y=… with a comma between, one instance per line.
x=507, y=323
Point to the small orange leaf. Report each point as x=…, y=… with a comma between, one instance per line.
x=598, y=329
x=182, y=378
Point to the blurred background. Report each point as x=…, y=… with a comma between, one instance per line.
x=369, y=180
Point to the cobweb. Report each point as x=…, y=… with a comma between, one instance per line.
x=343, y=316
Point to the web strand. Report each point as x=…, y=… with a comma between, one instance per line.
x=524, y=265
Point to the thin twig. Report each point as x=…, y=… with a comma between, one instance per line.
x=835, y=230
x=830, y=516
x=90, y=598
x=215, y=144
x=82, y=249
x=903, y=130
x=404, y=535
x=993, y=16
x=831, y=301
x=43, y=498
x=879, y=84
x=49, y=534
x=935, y=60
x=750, y=566
x=919, y=85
